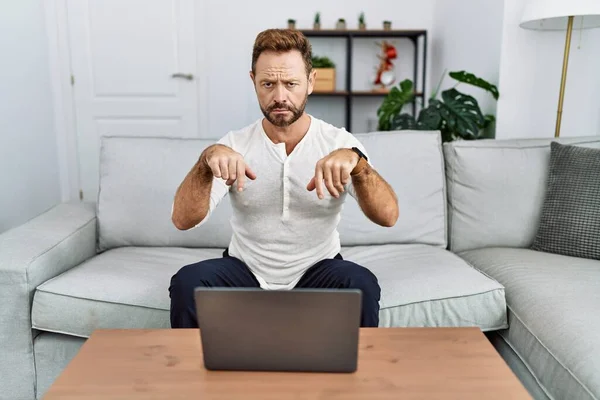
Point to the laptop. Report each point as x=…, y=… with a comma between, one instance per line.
x=301, y=330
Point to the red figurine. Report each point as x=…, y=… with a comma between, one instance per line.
x=385, y=72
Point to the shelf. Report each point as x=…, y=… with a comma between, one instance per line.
x=358, y=93
x=363, y=33
x=334, y=93
x=348, y=36
x=369, y=93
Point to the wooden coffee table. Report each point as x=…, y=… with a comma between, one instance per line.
x=394, y=363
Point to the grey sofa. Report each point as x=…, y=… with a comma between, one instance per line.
x=457, y=257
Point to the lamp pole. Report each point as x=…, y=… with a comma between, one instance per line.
x=563, y=79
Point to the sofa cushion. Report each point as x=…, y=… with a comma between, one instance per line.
x=570, y=221
x=138, y=180
x=128, y=288
x=553, y=303
x=425, y=286
x=412, y=163
x=496, y=190
x=121, y=288
x=139, y=177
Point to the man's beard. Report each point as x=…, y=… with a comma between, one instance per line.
x=280, y=120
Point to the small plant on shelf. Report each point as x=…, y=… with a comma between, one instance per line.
x=322, y=62
x=362, y=25
x=387, y=25
x=317, y=23
x=456, y=115
x=341, y=23
x=291, y=24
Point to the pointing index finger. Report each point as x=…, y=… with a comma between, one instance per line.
x=319, y=181
x=241, y=175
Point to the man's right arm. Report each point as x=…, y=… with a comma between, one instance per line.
x=193, y=197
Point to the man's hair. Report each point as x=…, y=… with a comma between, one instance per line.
x=281, y=41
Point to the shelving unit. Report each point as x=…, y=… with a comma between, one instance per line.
x=419, y=60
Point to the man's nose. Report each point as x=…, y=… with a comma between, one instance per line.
x=280, y=94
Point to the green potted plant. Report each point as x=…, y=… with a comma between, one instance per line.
x=387, y=25
x=455, y=114
x=325, y=79
x=291, y=24
x=317, y=23
x=341, y=23
x=362, y=25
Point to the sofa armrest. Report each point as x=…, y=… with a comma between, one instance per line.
x=30, y=254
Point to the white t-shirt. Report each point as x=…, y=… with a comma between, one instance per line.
x=280, y=229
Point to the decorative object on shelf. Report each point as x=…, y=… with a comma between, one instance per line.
x=317, y=23
x=456, y=115
x=561, y=15
x=325, y=79
x=341, y=24
x=385, y=75
x=362, y=25
x=291, y=24
x=387, y=25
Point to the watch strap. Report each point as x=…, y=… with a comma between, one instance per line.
x=360, y=165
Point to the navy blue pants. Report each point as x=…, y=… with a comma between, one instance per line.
x=232, y=272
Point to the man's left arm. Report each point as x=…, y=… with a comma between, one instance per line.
x=375, y=196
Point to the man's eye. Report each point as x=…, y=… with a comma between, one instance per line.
x=292, y=84
x=267, y=84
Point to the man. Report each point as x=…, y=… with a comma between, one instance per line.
x=287, y=175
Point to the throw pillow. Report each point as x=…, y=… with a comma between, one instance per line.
x=570, y=219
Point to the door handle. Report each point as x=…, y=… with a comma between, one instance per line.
x=189, y=77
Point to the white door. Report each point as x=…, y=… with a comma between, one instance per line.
x=133, y=64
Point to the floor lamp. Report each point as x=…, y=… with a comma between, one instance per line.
x=561, y=15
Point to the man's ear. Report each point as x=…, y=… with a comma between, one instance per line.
x=312, y=76
x=252, y=79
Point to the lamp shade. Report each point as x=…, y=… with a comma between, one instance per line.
x=554, y=14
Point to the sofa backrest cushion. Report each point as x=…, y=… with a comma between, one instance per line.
x=138, y=181
x=413, y=164
x=496, y=190
x=139, y=178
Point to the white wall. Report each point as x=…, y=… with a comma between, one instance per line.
x=29, y=176
x=530, y=72
x=468, y=37
x=227, y=53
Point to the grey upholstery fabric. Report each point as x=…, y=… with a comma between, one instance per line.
x=412, y=163
x=516, y=364
x=553, y=316
x=30, y=254
x=53, y=352
x=424, y=285
x=570, y=221
x=496, y=189
x=138, y=180
x=120, y=288
x=128, y=288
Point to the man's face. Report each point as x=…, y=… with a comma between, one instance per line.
x=282, y=86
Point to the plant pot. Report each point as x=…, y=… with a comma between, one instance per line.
x=340, y=25
x=291, y=24
x=387, y=25
x=362, y=26
x=317, y=26
x=325, y=80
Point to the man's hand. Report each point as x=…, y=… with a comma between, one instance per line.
x=335, y=170
x=226, y=163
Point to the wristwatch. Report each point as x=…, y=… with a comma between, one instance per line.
x=362, y=161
